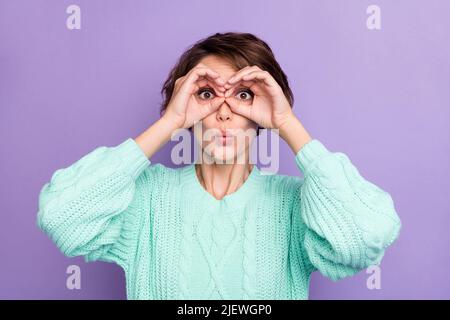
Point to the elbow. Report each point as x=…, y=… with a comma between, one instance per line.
x=377, y=233
x=376, y=225
x=377, y=240
x=47, y=211
x=52, y=222
x=48, y=225
x=366, y=244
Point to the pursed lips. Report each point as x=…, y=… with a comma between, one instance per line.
x=225, y=137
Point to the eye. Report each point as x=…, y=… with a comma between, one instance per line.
x=245, y=94
x=207, y=94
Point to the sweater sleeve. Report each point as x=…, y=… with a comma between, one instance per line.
x=85, y=208
x=348, y=220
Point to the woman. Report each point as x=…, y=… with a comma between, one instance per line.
x=220, y=229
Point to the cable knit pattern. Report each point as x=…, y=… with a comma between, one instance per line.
x=249, y=257
x=186, y=243
x=174, y=240
x=350, y=220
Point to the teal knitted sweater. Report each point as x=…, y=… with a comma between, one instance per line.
x=174, y=240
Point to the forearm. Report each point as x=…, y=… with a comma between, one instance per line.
x=157, y=135
x=294, y=134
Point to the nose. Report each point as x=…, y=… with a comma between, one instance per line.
x=224, y=112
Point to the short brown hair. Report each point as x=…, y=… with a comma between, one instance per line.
x=240, y=49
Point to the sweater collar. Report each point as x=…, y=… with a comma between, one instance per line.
x=234, y=200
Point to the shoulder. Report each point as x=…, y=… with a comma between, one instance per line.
x=159, y=174
x=282, y=180
x=282, y=185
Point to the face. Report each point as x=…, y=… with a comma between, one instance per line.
x=242, y=131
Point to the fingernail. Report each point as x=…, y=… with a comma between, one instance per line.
x=231, y=79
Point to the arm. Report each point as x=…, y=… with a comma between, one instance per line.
x=349, y=221
x=88, y=209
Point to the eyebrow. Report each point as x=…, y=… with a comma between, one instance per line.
x=207, y=86
x=240, y=87
x=243, y=87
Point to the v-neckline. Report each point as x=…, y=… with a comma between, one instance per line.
x=232, y=200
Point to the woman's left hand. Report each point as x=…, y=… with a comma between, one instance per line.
x=269, y=107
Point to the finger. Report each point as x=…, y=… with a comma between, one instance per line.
x=216, y=103
x=213, y=106
x=205, y=78
x=178, y=83
x=190, y=84
x=202, y=71
x=237, y=107
x=263, y=76
x=242, y=73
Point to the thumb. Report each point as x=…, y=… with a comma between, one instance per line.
x=238, y=108
x=214, y=105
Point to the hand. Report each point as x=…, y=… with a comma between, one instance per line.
x=269, y=107
x=185, y=108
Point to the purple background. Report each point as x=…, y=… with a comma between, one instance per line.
x=382, y=97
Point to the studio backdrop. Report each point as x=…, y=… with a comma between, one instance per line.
x=370, y=79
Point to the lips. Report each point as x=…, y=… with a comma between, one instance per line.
x=225, y=138
x=226, y=132
x=226, y=135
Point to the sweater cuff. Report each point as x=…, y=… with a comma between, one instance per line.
x=309, y=153
x=133, y=158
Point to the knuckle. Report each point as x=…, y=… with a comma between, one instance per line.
x=200, y=66
x=178, y=83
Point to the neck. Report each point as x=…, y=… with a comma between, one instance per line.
x=222, y=179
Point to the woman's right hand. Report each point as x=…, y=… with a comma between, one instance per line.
x=185, y=108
